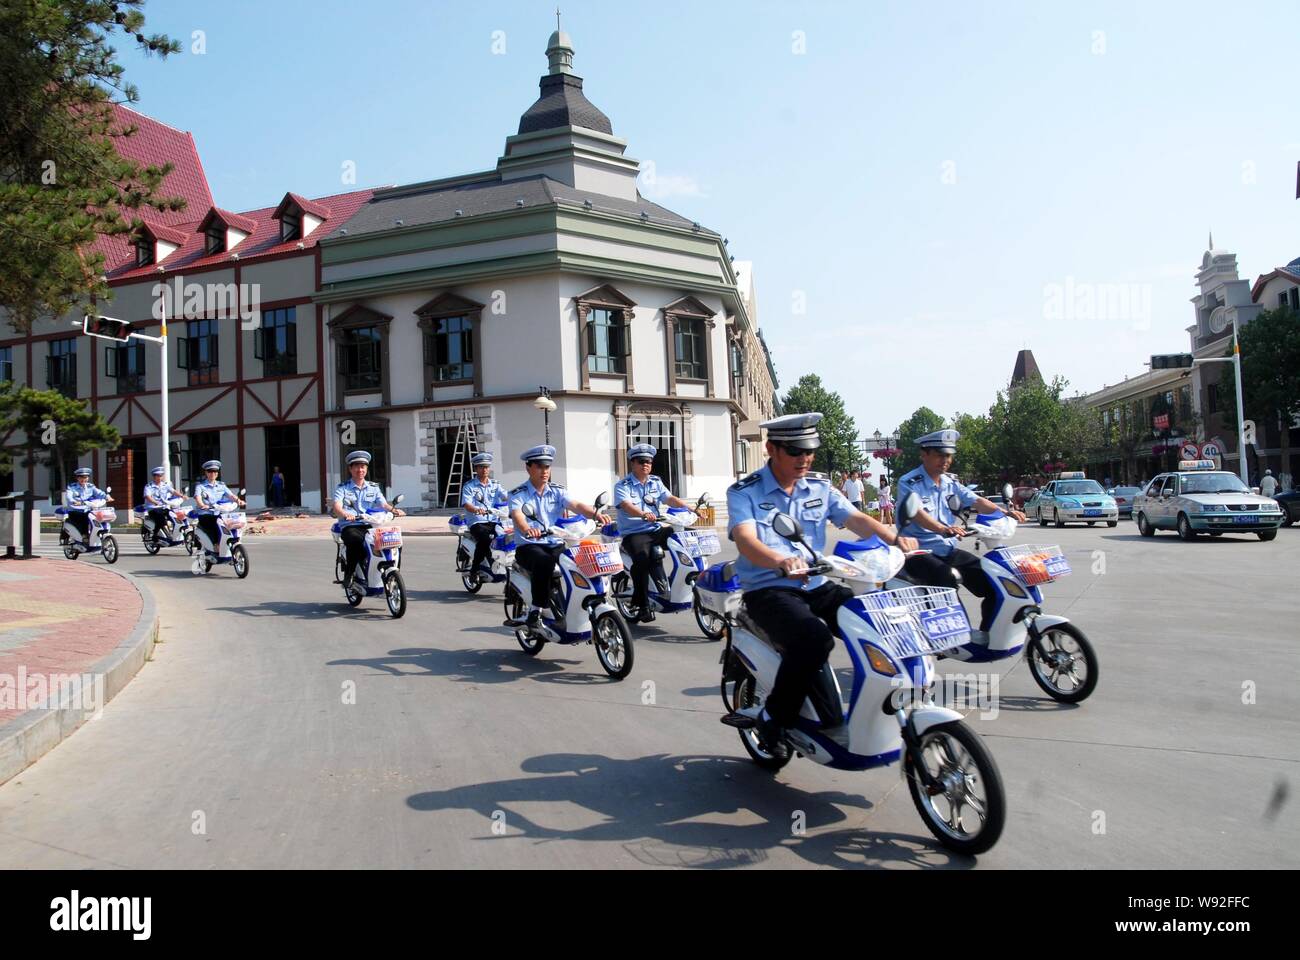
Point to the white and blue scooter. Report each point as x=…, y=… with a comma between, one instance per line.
x=381, y=573
x=230, y=522
x=180, y=525
x=100, y=517
x=678, y=558
x=891, y=637
x=581, y=609
x=500, y=555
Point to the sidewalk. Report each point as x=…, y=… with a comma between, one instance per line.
x=72, y=635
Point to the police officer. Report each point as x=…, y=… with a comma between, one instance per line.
x=549, y=501
x=779, y=595
x=353, y=499
x=479, y=497
x=638, y=521
x=79, y=493
x=936, y=526
x=157, y=493
x=207, y=494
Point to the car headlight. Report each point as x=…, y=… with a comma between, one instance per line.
x=1213, y=508
x=1270, y=508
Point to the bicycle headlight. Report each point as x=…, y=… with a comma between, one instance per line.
x=1012, y=588
x=880, y=661
x=580, y=581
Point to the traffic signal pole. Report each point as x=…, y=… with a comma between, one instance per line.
x=1164, y=361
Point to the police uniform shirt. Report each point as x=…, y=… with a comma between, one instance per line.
x=210, y=493
x=162, y=492
x=934, y=498
x=488, y=494
x=78, y=496
x=549, y=504
x=758, y=498
x=363, y=499
x=629, y=488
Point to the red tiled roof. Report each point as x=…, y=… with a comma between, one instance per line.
x=238, y=221
x=263, y=240
x=305, y=205
x=160, y=232
x=154, y=144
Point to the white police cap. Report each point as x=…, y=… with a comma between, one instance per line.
x=157, y=470
x=481, y=460
x=542, y=453
x=797, y=430
x=212, y=465
x=943, y=440
x=645, y=450
x=82, y=472
x=358, y=456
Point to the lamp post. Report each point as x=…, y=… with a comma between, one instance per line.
x=545, y=404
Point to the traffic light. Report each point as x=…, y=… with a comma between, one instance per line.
x=1170, y=361
x=174, y=453
x=108, y=328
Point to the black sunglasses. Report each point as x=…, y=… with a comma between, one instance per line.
x=797, y=451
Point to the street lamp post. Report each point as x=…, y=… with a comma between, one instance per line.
x=545, y=404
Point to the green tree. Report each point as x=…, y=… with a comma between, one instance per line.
x=1035, y=424
x=976, y=461
x=62, y=181
x=838, y=432
x=59, y=430
x=1270, y=373
x=922, y=421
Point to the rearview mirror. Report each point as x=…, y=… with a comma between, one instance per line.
x=908, y=508
x=398, y=499
x=110, y=489
x=601, y=500
x=243, y=490
x=703, y=501
x=954, y=502
x=788, y=527
x=1008, y=492
x=529, y=511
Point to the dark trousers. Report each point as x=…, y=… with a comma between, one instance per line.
x=482, y=534
x=81, y=521
x=354, y=548
x=208, y=524
x=935, y=571
x=159, y=517
x=801, y=624
x=640, y=547
x=539, y=561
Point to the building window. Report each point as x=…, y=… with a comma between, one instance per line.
x=61, y=366
x=689, y=343
x=6, y=364
x=276, y=342
x=290, y=224
x=144, y=252
x=737, y=367
x=1212, y=398
x=607, y=341
x=125, y=363
x=665, y=433
x=360, y=360
x=1295, y=298
x=449, y=349
x=203, y=446
x=214, y=239
x=197, y=352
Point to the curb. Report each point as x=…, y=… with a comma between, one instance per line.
x=32, y=734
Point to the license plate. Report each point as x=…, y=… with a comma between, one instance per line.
x=1092, y=513
x=1245, y=519
x=944, y=622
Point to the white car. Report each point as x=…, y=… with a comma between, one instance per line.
x=1199, y=499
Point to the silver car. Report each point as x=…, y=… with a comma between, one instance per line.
x=1124, y=497
x=1200, y=499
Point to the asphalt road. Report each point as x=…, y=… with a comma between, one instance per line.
x=276, y=727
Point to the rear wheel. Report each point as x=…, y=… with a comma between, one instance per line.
x=395, y=593
x=746, y=695
x=711, y=625
x=966, y=809
x=1063, y=663
x=515, y=610
x=191, y=544
x=239, y=560
x=472, y=583
x=613, y=642
x=108, y=546
x=151, y=545
x=1144, y=526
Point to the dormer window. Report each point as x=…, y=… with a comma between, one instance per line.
x=290, y=225
x=214, y=239
x=144, y=251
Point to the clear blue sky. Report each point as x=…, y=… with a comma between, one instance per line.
x=921, y=173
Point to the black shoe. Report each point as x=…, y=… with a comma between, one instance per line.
x=647, y=616
x=534, y=619
x=771, y=738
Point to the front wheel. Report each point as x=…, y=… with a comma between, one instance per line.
x=613, y=642
x=1267, y=534
x=1185, y=531
x=239, y=560
x=395, y=593
x=108, y=546
x=1056, y=519
x=711, y=625
x=1042, y=520
x=966, y=809
x=1144, y=526
x=1063, y=663
x=1112, y=523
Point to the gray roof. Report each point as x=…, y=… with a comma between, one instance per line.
x=438, y=204
x=563, y=104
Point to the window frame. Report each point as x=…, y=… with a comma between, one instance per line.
x=66, y=360
x=214, y=239
x=617, y=336
x=690, y=332
x=689, y=308
x=605, y=297
x=358, y=316
x=277, y=362
x=132, y=381
x=6, y=361
x=290, y=224
x=189, y=350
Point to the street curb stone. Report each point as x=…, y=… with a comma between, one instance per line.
x=32, y=734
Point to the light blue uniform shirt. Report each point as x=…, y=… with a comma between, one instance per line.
x=367, y=497
x=934, y=498
x=758, y=498
x=162, y=492
x=77, y=496
x=629, y=488
x=490, y=494
x=550, y=503
x=211, y=493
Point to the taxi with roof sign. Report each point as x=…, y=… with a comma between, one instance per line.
x=1197, y=498
x=1072, y=498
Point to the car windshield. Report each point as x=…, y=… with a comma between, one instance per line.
x=1212, y=483
x=1078, y=488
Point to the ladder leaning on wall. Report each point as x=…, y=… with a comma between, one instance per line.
x=466, y=448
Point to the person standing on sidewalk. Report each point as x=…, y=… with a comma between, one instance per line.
x=277, y=488
x=1268, y=486
x=853, y=490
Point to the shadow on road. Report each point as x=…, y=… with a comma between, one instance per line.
x=480, y=666
x=376, y=610
x=646, y=805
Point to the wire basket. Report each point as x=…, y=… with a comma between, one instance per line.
x=598, y=559
x=918, y=621
x=387, y=538
x=105, y=514
x=1035, y=563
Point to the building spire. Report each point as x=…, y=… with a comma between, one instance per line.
x=1211, y=246
x=559, y=50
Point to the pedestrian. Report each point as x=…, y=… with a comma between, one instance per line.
x=886, y=503
x=277, y=488
x=1268, y=486
x=853, y=490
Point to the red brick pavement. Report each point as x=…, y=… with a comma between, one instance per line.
x=61, y=616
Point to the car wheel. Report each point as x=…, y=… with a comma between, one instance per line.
x=1185, y=531
x=1112, y=523
x=1268, y=534
x=1056, y=519
x=1041, y=521
x=1144, y=526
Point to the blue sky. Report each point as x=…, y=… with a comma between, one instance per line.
x=926, y=177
